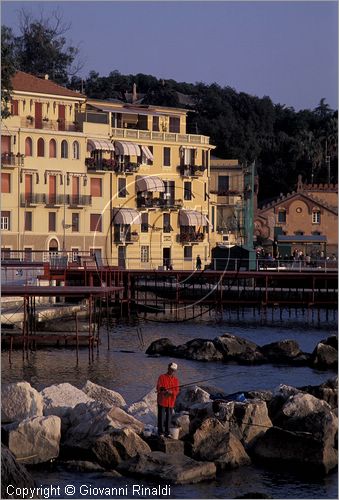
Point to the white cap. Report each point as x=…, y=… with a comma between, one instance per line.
x=173, y=366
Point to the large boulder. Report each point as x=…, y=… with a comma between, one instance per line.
x=328, y=391
x=146, y=409
x=212, y=442
x=325, y=354
x=190, y=396
x=13, y=475
x=283, y=351
x=161, y=347
x=120, y=419
x=202, y=350
x=19, y=401
x=173, y=468
x=103, y=395
x=35, y=440
x=60, y=399
x=306, y=413
x=280, y=396
x=238, y=349
x=117, y=446
x=300, y=449
x=182, y=421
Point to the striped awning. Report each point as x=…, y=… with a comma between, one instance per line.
x=147, y=153
x=102, y=145
x=127, y=148
x=126, y=216
x=150, y=183
x=192, y=218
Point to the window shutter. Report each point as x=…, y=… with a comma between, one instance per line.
x=5, y=183
x=96, y=187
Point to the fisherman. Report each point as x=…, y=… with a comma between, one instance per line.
x=167, y=389
x=198, y=263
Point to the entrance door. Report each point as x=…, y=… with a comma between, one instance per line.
x=122, y=257
x=166, y=257
x=38, y=115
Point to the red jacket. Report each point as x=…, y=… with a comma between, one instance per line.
x=170, y=383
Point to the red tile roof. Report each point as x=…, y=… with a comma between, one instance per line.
x=29, y=83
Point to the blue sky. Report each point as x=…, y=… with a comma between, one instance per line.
x=286, y=50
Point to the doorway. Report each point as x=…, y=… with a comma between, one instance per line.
x=166, y=257
x=122, y=257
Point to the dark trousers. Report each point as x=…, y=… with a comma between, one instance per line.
x=164, y=419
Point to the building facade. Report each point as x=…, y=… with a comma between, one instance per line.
x=123, y=180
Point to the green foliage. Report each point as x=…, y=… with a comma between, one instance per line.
x=7, y=69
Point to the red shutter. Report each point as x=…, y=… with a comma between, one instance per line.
x=52, y=189
x=5, y=183
x=41, y=147
x=28, y=146
x=38, y=115
x=28, y=186
x=61, y=117
x=96, y=187
x=5, y=144
x=15, y=107
x=95, y=222
x=52, y=148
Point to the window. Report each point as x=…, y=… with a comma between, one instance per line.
x=174, y=124
x=52, y=221
x=5, y=183
x=167, y=223
x=187, y=190
x=96, y=187
x=75, y=254
x=75, y=223
x=76, y=150
x=28, y=221
x=144, y=253
x=282, y=216
x=41, y=147
x=155, y=127
x=5, y=253
x=299, y=233
x=167, y=157
x=28, y=147
x=5, y=221
x=14, y=107
x=213, y=218
x=316, y=233
x=188, y=253
x=64, y=149
x=144, y=222
x=205, y=158
x=122, y=192
x=223, y=183
x=316, y=217
x=52, y=148
x=95, y=223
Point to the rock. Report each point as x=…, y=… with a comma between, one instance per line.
x=189, y=396
x=214, y=392
x=166, y=445
x=306, y=413
x=324, y=356
x=82, y=466
x=202, y=350
x=254, y=494
x=212, y=442
x=145, y=410
x=182, y=420
x=60, y=399
x=118, y=446
x=36, y=440
x=20, y=401
x=295, y=448
x=252, y=419
x=331, y=341
x=103, y=395
x=163, y=347
x=238, y=349
x=328, y=391
x=13, y=473
x=172, y=469
x=120, y=419
x=262, y=395
x=280, y=396
x=282, y=351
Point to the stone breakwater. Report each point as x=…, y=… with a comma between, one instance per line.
x=232, y=349
x=93, y=429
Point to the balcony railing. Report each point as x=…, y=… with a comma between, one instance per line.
x=129, y=237
x=229, y=192
x=83, y=200
x=111, y=165
x=126, y=168
x=13, y=160
x=30, y=199
x=159, y=203
x=195, y=237
x=119, y=133
x=192, y=170
x=47, y=124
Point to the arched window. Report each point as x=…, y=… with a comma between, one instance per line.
x=76, y=150
x=52, y=148
x=64, y=149
x=282, y=216
x=316, y=216
x=28, y=147
x=41, y=147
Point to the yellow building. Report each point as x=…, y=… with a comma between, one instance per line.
x=123, y=180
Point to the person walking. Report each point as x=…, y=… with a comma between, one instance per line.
x=198, y=263
x=167, y=391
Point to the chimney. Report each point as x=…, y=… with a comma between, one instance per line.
x=46, y=77
x=134, y=93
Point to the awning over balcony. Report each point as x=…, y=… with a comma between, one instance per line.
x=192, y=218
x=126, y=216
x=127, y=148
x=147, y=153
x=150, y=183
x=102, y=145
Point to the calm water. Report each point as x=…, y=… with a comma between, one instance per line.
x=133, y=374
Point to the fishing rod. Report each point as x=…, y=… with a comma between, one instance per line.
x=206, y=380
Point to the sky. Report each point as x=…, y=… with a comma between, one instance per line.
x=287, y=50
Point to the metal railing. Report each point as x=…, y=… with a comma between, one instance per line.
x=47, y=124
x=159, y=203
x=31, y=199
x=192, y=170
x=190, y=237
x=119, y=133
x=13, y=160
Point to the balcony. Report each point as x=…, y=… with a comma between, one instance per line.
x=126, y=168
x=190, y=237
x=120, y=133
x=81, y=200
x=47, y=124
x=192, y=170
x=32, y=199
x=229, y=192
x=55, y=200
x=12, y=160
x=159, y=203
x=94, y=164
x=129, y=237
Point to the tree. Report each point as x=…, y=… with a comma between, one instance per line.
x=7, y=68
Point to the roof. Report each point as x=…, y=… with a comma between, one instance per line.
x=298, y=238
x=298, y=194
x=25, y=82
